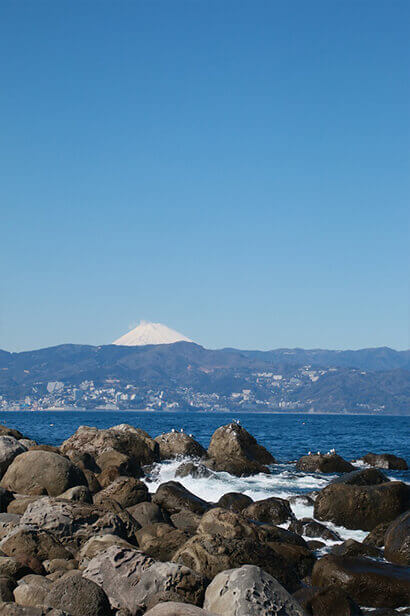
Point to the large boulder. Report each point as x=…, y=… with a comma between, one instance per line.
x=32, y=590
x=9, y=449
x=147, y=513
x=235, y=501
x=35, y=543
x=78, y=597
x=376, y=536
x=271, y=510
x=117, y=570
x=186, y=520
x=174, y=444
x=127, y=491
x=350, y=547
x=211, y=554
x=324, y=463
x=42, y=472
x=234, y=450
x=249, y=591
x=397, y=540
x=331, y=601
x=368, y=582
x=98, y=544
x=169, y=582
x=227, y=524
x=73, y=523
x=174, y=497
x=362, y=507
x=362, y=477
x=161, y=541
x=387, y=461
x=132, y=442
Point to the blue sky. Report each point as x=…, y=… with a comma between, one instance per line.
x=236, y=170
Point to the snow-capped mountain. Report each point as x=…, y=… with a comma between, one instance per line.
x=151, y=333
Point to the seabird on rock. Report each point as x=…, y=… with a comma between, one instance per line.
x=173, y=430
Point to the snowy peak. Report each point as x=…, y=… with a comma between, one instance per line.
x=150, y=333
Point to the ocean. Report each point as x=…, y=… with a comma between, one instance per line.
x=287, y=437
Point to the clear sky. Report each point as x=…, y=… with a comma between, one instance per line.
x=238, y=170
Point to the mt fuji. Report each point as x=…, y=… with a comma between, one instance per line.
x=150, y=333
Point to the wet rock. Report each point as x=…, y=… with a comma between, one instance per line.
x=32, y=590
x=174, y=444
x=355, y=548
x=271, y=510
x=132, y=442
x=363, y=477
x=311, y=528
x=249, y=591
x=161, y=541
x=9, y=449
x=276, y=534
x=117, y=571
x=148, y=513
x=234, y=450
x=190, y=469
x=7, y=585
x=186, y=520
x=74, y=523
x=173, y=608
x=211, y=554
x=235, y=501
x=78, y=596
x=362, y=507
x=330, y=601
x=376, y=536
x=368, y=582
x=78, y=493
x=169, y=582
x=98, y=544
x=397, y=540
x=324, y=463
x=173, y=497
x=41, y=472
x=314, y=544
x=299, y=557
x=386, y=460
x=38, y=544
x=127, y=491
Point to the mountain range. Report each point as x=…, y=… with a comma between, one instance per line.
x=192, y=377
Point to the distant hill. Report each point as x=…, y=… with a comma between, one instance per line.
x=194, y=377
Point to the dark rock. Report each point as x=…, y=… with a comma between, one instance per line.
x=7, y=585
x=376, y=536
x=363, y=477
x=161, y=541
x=362, y=507
x=174, y=444
x=301, y=499
x=186, y=520
x=42, y=472
x=271, y=510
x=369, y=583
x=234, y=450
x=324, y=463
x=5, y=431
x=299, y=557
x=355, y=548
x=314, y=544
x=276, y=534
x=311, y=528
x=11, y=567
x=173, y=497
x=331, y=601
x=127, y=491
x=78, y=596
x=397, y=540
x=386, y=460
x=235, y=501
x=148, y=513
x=249, y=591
x=5, y=499
x=38, y=544
x=190, y=469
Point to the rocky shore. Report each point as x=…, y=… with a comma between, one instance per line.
x=81, y=534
